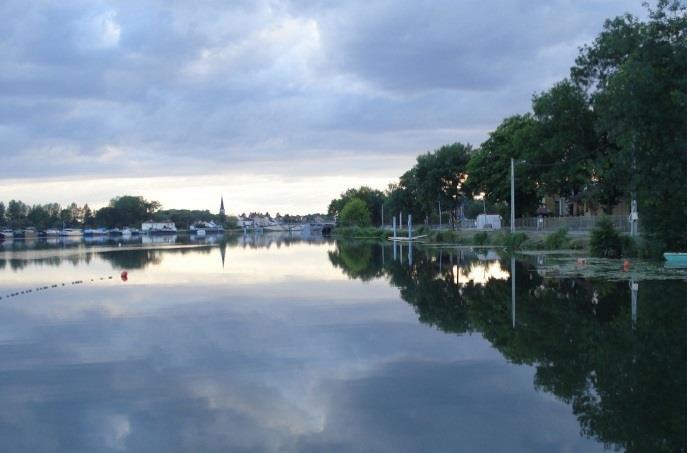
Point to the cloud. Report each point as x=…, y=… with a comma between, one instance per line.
x=194, y=88
x=271, y=372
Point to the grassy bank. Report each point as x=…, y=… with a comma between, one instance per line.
x=531, y=240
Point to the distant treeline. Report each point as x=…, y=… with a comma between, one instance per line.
x=122, y=211
x=616, y=126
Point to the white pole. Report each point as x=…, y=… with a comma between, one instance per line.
x=394, y=228
x=439, y=213
x=512, y=195
x=410, y=227
x=512, y=293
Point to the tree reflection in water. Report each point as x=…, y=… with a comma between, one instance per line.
x=620, y=360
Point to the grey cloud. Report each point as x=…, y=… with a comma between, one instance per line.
x=269, y=81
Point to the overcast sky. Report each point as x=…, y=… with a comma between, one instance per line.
x=279, y=105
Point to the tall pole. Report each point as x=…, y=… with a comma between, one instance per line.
x=512, y=289
x=410, y=227
x=512, y=195
x=439, y=213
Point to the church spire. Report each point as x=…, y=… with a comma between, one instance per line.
x=221, y=206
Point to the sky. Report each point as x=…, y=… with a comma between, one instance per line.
x=276, y=105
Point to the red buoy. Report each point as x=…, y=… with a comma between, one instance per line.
x=124, y=275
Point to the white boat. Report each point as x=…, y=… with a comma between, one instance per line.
x=71, y=232
x=30, y=232
x=275, y=227
x=6, y=234
x=114, y=232
x=51, y=233
x=203, y=228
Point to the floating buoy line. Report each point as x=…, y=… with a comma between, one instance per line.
x=124, y=276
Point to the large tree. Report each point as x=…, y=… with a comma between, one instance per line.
x=373, y=199
x=489, y=166
x=440, y=176
x=565, y=155
x=16, y=213
x=355, y=213
x=636, y=74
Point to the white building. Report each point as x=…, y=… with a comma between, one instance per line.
x=488, y=221
x=153, y=226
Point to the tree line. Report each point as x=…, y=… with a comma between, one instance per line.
x=616, y=127
x=127, y=210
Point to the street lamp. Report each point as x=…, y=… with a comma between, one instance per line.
x=512, y=193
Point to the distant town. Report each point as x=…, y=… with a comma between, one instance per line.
x=128, y=216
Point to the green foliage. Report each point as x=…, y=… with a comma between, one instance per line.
x=132, y=210
x=481, y=238
x=357, y=260
x=373, y=199
x=557, y=240
x=512, y=241
x=438, y=177
x=361, y=232
x=568, y=142
x=635, y=72
x=355, y=213
x=489, y=166
x=448, y=236
x=605, y=240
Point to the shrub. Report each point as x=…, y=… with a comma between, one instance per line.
x=512, y=241
x=355, y=213
x=605, y=241
x=480, y=238
x=557, y=240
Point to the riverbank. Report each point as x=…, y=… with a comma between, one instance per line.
x=529, y=240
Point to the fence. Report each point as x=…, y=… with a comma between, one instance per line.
x=579, y=223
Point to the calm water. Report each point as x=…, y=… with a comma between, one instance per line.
x=286, y=345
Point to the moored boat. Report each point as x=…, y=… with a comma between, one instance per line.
x=203, y=228
x=163, y=227
x=30, y=232
x=114, y=232
x=71, y=232
x=675, y=259
x=94, y=232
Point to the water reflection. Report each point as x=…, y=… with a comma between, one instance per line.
x=263, y=343
x=615, y=353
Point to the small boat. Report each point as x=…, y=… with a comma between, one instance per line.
x=674, y=259
x=94, y=232
x=7, y=234
x=114, y=232
x=421, y=238
x=203, y=228
x=70, y=232
x=51, y=233
x=30, y=232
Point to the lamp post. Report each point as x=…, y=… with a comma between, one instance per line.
x=512, y=195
